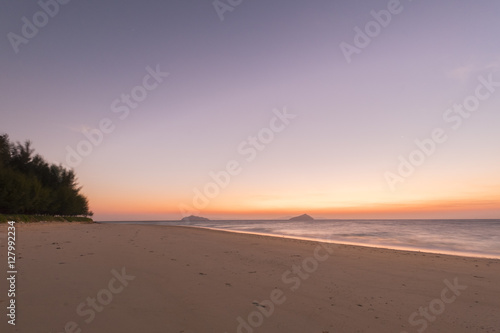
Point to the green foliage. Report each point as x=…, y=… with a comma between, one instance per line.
x=29, y=185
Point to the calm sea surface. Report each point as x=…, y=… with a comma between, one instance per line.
x=480, y=238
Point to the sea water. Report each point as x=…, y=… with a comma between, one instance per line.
x=478, y=238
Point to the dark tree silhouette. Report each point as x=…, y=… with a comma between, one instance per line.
x=30, y=185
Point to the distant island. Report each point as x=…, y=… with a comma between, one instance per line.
x=303, y=217
x=193, y=218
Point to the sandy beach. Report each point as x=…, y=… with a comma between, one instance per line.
x=96, y=278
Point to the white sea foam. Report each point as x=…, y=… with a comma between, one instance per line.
x=478, y=238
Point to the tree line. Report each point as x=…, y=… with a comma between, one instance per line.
x=30, y=185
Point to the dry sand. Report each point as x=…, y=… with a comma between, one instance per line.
x=178, y=279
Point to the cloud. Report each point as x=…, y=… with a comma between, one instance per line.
x=493, y=66
x=78, y=128
x=462, y=73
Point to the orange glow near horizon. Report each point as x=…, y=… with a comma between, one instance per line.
x=466, y=209
x=254, y=200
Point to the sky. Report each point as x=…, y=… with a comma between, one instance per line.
x=261, y=109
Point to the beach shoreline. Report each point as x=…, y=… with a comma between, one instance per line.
x=484, y=252
x=189, y=279
x=359, y=244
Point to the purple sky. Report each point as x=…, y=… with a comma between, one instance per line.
x=353, y=120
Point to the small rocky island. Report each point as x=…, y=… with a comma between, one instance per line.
x=303, y=217
x=193, y=218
